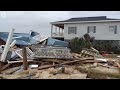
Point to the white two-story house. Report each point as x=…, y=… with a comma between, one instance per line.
x=100, y=27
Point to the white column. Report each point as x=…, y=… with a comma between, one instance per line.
x=7, y=46
x=56, y=29
x=62, y=31
x=51, y=30
x=59, y=31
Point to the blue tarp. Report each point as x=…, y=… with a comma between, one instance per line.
x=55, y=42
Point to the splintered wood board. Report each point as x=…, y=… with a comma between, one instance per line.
x=11, y=70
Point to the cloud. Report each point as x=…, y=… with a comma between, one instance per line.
x=109, y=14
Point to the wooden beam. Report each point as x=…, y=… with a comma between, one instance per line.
x=93, y=61
x=53, y=60
x=64, y=63
x=11, y=70
x=5, y=66
x=25, y=64
x=1, y=64
x=46, y=66
x=103, y=65
x=21, y=61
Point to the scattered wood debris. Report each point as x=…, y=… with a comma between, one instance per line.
x=11, y=70
x=53, y=63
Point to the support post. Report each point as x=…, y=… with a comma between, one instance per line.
x=51, y=30
x=7, y=46
x=62, y=31
x=59, y=31
x=56, y=29
x=1, y=64
x=25, y=64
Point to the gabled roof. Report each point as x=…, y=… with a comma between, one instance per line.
x=80, y=19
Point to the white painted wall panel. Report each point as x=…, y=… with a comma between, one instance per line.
x=102, y=31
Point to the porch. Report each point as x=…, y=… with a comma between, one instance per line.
x=57, y=30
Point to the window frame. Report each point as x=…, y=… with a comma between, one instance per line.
x=72, y=30
x=114, y=29
x=93, y=31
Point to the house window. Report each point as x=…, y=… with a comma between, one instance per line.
x=72, y=30
x=91, y=29
x=113, y=29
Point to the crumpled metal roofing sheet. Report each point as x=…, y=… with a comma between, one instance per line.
x=55, y=42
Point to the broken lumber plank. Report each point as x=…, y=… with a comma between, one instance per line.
x=20, y=61
x=25, y=64
x=16, y=76
x=53, y=60
x=5, y=66
x=92, y=61
x=103, y=65
x=70, y=62
x=76, y=55
x=64, y=63
x=46, y=66
x=77, y=60
x=49, y=66
x=118, y=64
x=86, y=58
x=11, y=70
x=7, y=47
x=1, y=64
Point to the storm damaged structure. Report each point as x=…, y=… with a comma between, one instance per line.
x=50, y=57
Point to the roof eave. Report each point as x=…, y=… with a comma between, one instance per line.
x=85, y=21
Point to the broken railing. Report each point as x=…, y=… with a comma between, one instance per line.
x=46, y=52
x=28, y=53
x=52, y=52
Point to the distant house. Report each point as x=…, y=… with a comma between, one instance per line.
x=100, y=27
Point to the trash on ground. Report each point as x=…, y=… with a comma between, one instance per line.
x=33, y=66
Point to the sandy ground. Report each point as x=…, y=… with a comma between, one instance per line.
x=52, y=73
x=70, y=72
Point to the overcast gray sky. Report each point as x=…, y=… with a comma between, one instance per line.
x=24, y=21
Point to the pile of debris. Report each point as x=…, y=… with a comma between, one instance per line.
x=47, y=58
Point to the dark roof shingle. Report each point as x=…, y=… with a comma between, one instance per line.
x=88, y=19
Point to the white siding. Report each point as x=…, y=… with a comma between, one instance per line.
x=102, y=30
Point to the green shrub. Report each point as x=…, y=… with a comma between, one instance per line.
x=77, y=44
x=106, y=46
